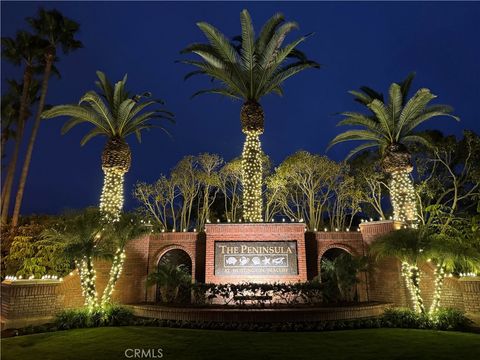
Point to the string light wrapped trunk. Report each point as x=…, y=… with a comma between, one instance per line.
x=397, y=162
x=252, y=119
x=115, y=272
x=411, y=274
x=440, y=274
x=116, y=161
x=87, y=275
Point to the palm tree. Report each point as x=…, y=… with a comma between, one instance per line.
x=116, y=114
x=119, y=234
x=83, y=242
x=25, y=49
x=452, y=253
x=249, y=71
x=57, y=30
x=390, y=127
x=11, y=128
x=170, y=279
x=410, y=246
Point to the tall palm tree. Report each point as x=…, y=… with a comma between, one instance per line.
x=116, y=114
x=390, y=127
x=410, y=246
x=57, y=30
x=11, y=103
x=25, y=49
x=119, y=234
x=83, y=242
x=255, y=68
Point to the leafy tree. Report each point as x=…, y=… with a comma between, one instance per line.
x=208, y=167
x=116, y=114
x=230, y=177
x=57, y=31
x=185, y=177
x=31, y=255
x=256, y=67
x=303, y=187
x=449, y=178
x=371, y=182
x=390, y=127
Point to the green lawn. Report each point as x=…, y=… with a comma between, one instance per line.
x=111, y=343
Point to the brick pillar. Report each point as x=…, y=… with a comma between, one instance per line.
x=385, y=280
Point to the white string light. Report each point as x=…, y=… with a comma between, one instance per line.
x=252, y=177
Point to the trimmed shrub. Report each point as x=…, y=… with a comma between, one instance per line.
x=450, y=319
x=112, y=315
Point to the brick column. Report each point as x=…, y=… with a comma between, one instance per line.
x=385, y=280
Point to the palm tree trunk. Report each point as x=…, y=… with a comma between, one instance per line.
x=111, y=200
x=252, y=120
x=12, y=166
x=439, y=279
x=115, y=272
x=87, y=281
x=28, y=157
x=252, y=178
x=402, y=194
x=411, y=274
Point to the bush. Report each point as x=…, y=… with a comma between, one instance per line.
x=443, y=319
x=404, y=318
x=258, y=294
x=112, y=315
x=450, y=319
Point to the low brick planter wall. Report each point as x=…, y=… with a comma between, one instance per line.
x=29, y=302
x=255, y=315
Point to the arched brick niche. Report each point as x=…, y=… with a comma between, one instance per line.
x=317, y=243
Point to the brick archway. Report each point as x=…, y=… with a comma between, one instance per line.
x=340, y=246
x=168, y=248
x=179, y=255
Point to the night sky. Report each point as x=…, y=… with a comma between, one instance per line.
x=358, y=44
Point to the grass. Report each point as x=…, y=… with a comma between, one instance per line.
x=111, y=343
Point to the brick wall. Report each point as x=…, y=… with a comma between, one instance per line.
x=387, y=285
x=35, y=302
x=254, y=232
x=29, y=302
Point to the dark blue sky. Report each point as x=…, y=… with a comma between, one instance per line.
x=358, y=43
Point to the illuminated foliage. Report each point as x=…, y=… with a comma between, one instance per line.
x=111, y=201
x=389, y=126
x=410, y=246
x=403, y=197
x=247, y=69
x=83, y=241
x=117, y=235
x=252, y=178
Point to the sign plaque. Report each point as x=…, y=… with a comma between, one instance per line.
x=256, y=258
